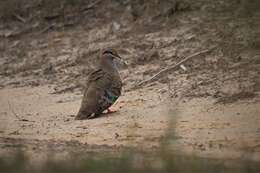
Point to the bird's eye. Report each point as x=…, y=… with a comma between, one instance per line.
x=111, y=51
x=108, y=51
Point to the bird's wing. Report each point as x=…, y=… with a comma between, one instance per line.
x=97, y=82
x=95, y=75
x=100, y=78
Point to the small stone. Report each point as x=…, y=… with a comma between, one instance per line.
x=116, y=135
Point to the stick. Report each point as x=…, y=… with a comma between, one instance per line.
x=172, y=67
x=20, y=18
x=91, y=5
x=46, y=29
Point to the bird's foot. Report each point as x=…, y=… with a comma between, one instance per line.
x=109, y=111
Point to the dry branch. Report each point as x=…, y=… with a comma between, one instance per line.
x=92, y=5
x=46, y=29
x=172, y=67
x=20, y=18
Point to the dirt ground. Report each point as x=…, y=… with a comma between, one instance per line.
x=211, y=109
x=196, y=126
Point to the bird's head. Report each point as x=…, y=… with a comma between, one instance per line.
x=113, y=56
x=112, y=53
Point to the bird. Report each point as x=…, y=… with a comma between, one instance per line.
x=104, y=86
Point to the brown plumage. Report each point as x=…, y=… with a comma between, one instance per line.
x=103, y=87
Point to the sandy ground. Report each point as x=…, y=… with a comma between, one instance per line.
x=144, y=118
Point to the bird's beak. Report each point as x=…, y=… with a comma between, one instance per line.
x=119, y=57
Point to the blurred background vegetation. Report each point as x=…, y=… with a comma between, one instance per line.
x=129, y=161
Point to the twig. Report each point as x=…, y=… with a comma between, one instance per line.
x=16, y=132
x=183, y=67
x=10, y=107
x=20, y=18
x=51, y=17
x=92, y=5
x=46, y=29
x=172, y=67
